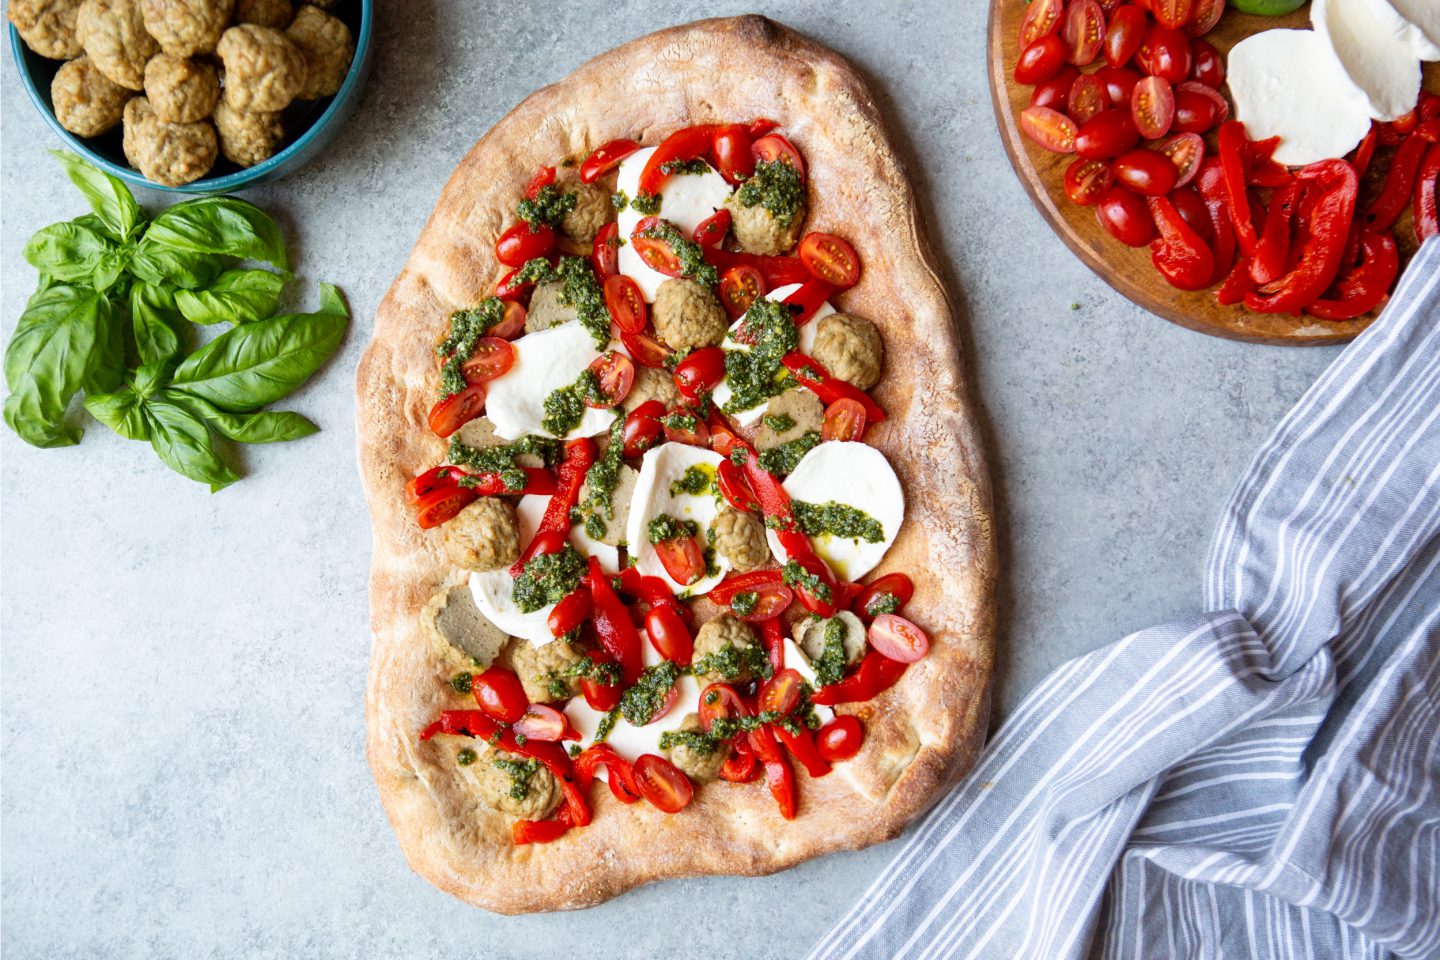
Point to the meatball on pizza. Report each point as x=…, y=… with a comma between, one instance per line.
x=674, y=487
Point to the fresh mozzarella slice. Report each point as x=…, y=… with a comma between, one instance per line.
x=1289, y=84
x=629, y=741
x=660, y=468
x=1411, y=30
x=545, y=361
x=723, y=393
x=1384, y=66
x=685, y=200
x=795, y=658
x=494, y=590
x=1424, y=16
x=859, y=476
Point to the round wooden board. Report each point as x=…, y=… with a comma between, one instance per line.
x=1128, y=269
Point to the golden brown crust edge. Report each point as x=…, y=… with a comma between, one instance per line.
x=937, y=714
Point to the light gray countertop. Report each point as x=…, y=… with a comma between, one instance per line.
x=182, y=674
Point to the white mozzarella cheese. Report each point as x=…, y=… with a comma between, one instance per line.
x=685, y=200
x=795, y=659
x=660, y=468
x=1289, y=84
x=1381, y=64
x=545, y=361
x=859, y=476
x=630, y=741
x=723, y=392
x=1424, y=16
x=1388, y=12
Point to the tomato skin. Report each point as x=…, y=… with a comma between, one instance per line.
x=897, y=585
x=1123, y=36
x=569, y=613
x=1040, y=61
x=1218, y=103
x=626, y=304
x=773, y=147
x=491, y=358
x=605, y=251
x=603, y=697
x=1194, y=112
x=733, y=156
x=542, y=179
x=605, y=158
x=1207, y=13
x=844, y=420
x=1042, y=18
x=700, y=372
x=655, y=251
x=682, y=559
x=898, y=639
x=781, y=692
x=1119, y=83
x=840, y=739
x=441, y=504
x=540, y=722
x=520, y=244
x=1165, y=53
x=1152, y=106
x=1055, y=92
x=1126, y=217
x=1146, y=172
x=740, y=287
x=1083, y=31
x=831, y=259
x=642, y=428
x=512, y=322
x=499, y=694
x=1049, y=128
x=1105, y=135
x=711, y=231
x=733, y=486
x=774, y=599
x=1172, y=13
x=717, y=701
x=1209, y=66
x=660, y=782
x=669, y=635
x=615, y=374
x=645, y=349
x=1193, y=211
x=1088, y=97
x=1086, y=181
x=1186, y=152
x=455, y=411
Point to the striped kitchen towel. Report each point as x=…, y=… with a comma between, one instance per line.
x=1261, y=781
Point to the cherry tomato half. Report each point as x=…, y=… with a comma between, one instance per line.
x=830, y=259
x=1083, y=31
x=572, y=610
x=605, y=158
x=1086, y=181
x=521, y=243
x=733, y=153
x=669, y=635
x=1042, y=18
x=642, y=428
x=1186, y=151
x=512, y=322
x=1173, y=14
x=540, y=722
x=615, y=375
x=1193, y=211
x=1146, y=172
x=711, y=231
x=605, y=251
x=781, y=692
x=661, y=783
x=1055, y=92
x=897, y=638
x=1152, y=106
x=1088, y=96
x=844, y=420
x=740, y=287
x=840, y=739
x=1105, y=135
x=700, y=372
x=1123, y=35
x=1040, y=61
x=1196, y=88
x=655, y=251
x=896, y=585
x=499, y=694
x=697, y=435
x=774, y=147
x=719, y=701
x=772, y=600
x=491, y=358
x=645, y=349
x=1119, y=83
x=441, y=504
x=456, y=410
x=730, y=481
x=1209, y=66
x=1049, y=128
x=626, y=304
x=603, y=697
x=1207, y=13
x=1194, y=112
x=682, y=559
x=1125, y=216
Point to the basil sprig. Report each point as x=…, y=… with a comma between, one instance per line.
x=113, y=320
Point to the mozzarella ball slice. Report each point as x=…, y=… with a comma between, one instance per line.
x=685, y=200
x=723, y=392
x=630, y=741
x=660, y=468
x=1383, y=65
x=544, y=362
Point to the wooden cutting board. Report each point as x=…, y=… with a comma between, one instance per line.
x=1128, y=269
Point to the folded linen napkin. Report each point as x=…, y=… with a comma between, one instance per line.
x=1260, y=781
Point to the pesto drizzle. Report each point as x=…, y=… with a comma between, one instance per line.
x=689, y=253
x=501, y=458
x=753, y=376
x=601, y=479
x=786, y=457
x=547, y=209
x=466, y=329
x=565, y=407
x=639, y=704
x=830, y=665
x=777, y=187
x=838, y=520
x=548, y=578
x=578, y=289
x=520, y=772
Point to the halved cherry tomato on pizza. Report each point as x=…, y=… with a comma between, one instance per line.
x=840, y=739
x=1086, y=181
x=662, y=783
x=512, y=322
x=730, y=481
x=1088, y=96
x=626, y=304
x=1042, y=18
x=734, y=157
x=781, y=692
x=521, y=243
x=684, y=425
x=605, y=251
x=642, y=428
x=499, y=694
x=700, y=372
x=875, y=596
x=772, y=599
x=711, y=231
x=1172, y=13
x=1083, y=31
x=441, y=505
x=672, y=697
x=682, y=559
x=719, y=701
x=1165, y=53
x=844, y=420
x=669, y=635
x=456, y=410
x=510, y=287
x=1202, y=20
x=1208, y=67
x=572, y=610
x=897, y=638
x=1186, y=151
x=1049, y=128
x=601, y=696
x=645, y=349
x=605, y=158
x=773, y=147
x=540, y=722
x=491, y=358
x=1040, y=61
x=431, y=480
x=830, y=259
x=540, y=181
x=614, y=375
x=740, y=287
x=655, y=251
x=1123, y=35
x=1107, y=134
x=1146, y=172
x=1152, y=107
x=1126, y=217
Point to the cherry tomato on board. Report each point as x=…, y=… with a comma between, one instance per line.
x=1123, y=35
x=1105, y=135
x=1055, y=92
x=1049, y=128
x=844, y=420
x=1083, y=31
x=1119, y=83
x=830, y=259
x=1194, y=112
x=1152, y=107
x=1186, y=151
x=1042, y=18
x=734, y=156
x=605, y=158
x=512, y=322
x=1125, y=216
x=1088, y=96
x=642, y=429
x=1087, y=180
x=1173, y=14
x=605, y=251
x=700, y=372
x=1040, y=61
x=840, y=739
x=896, y=585
x=669, y=635
x=441, y=505
x=1165, y=53
x=499, y=694
x=492, y=357
x=455, y=411
x=614, y=376
x=897, y=638
x=739, y=287
x=521, y=243
x=1146, y=172
x=1196, y=88
x=773, y=147
x=1208, y=67
x=626, y=304
x=660, y=782
x=1206, y=14
x=682, y=559
x=1193, y=211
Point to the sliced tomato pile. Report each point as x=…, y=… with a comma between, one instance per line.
x=1134, y=92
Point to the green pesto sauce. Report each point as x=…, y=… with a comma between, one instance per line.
x=730, y=662
x=778, y=424
x=689, y=253
x=640, y=702
x=694, y=167
x=786, y=457
x=830, y=665
x=795, y=575
x=466, y=329
x=601, y=479
x=578, y=289
x=547, y=579
x=586, y=668
x=697, y=741
x=694, y=481
x=838, y=520
x=547, y=209
x=754, y=376
x=882, y=603
x=619, y=200
x=665, y=527
x=460, y=683
x=777, y=187
x=606, y=724
x=646, y=203
x=465, y=757
x=501, y=458
x=565, y=407
x=684, y=422
x=520, y=772
x=743, y=604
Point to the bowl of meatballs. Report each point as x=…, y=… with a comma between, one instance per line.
x=193, y=96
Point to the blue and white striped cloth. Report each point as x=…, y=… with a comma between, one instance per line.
x=1261, y=781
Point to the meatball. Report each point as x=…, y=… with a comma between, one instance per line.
x=483, y=536
x=458, y=629
x=810, y=636
x=788, y=417
x=687, y=314
x=546, y=310
x=116, y=41
x=328, y=48
x=591, y=212
x=620, y=497
x=47, y=27
x=698, y=757
x=726, y=650
x=651, y=384
x=181, y=90
x=87, y=103
x=184, y=28
x=168, y=153
x=480, y=434
x=263, y=69
x=264, y=13
x=757, y=230
x=516, y=785
x=248, y=138
x=542, y=669
x=849, y=348
x=740, y=538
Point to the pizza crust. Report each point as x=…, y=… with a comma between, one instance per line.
x=922, y=735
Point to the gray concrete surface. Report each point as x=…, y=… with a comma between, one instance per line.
x=182, y=674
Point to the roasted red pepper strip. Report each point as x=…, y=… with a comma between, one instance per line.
x=778, y=774
x=1365, y=152
x=875, y=675
x=724, y=591
x=578, y=456
x=1330, y=197
x=775, y=504
x=1217, y=202
x=1260, y=168
x=740, y=766
x=1399, y=183
x=681, y=146
x=537, y=831
x=1178, y=252
x=605, y=158
x=1237, y=284
x=1272, y=253
x=613, y=625
x=1232, y=163
x=808, y=297
x=817, y=380
x=802, y=746
x=772, y=636
x=620, y=773
x=1427, y=220
x=537, y=481
x=651, y=591
x=1364, y=288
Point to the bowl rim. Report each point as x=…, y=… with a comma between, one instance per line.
x=205, y=185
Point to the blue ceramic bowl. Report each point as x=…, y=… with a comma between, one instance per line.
x=309, y=126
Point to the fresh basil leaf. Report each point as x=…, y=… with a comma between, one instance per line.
x=121, y=411
x=220, y=225
x=236, y=296
x=183, y=442
x=67, y=251
x=159, y=328
x=107, y=367
x=154, y=262
x=50, y=355
x=112, y=264
x=268, y=426
x=111, y=200
x=149, y=378
x=254, y=364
